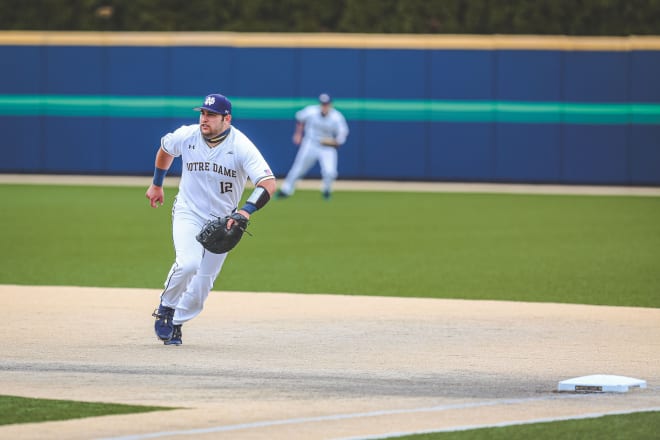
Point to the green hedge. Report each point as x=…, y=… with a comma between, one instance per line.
x=545, y=17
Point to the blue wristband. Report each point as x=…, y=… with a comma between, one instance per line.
x=249, y=208
x=159, y=176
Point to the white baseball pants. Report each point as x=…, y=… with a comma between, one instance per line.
x=306, y=157
x=194, y=270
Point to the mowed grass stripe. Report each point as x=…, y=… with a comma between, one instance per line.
x=540, y=248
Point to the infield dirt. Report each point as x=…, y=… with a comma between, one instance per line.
x=285, y=366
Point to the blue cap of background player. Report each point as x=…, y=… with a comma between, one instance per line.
x=216, y=103
x=324, y=98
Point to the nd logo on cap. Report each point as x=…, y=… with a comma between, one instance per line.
x=216, y=103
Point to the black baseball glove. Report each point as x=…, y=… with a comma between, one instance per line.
x=216, y=238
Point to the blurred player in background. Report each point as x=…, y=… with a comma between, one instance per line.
x=320, y=131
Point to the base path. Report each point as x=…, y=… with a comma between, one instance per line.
x=285, y=366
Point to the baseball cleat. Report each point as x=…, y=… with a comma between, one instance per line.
x=176, y=336
x=163, y=326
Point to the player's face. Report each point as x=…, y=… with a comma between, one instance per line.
x=212, y=124
x=325, y=108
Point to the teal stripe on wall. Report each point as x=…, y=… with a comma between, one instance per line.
x=369, y=109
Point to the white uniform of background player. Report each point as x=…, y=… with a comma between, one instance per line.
x=217, y=159
x=325, y=130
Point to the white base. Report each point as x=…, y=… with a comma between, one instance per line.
x=601, y=383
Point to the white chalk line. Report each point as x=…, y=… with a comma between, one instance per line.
x=335, y=417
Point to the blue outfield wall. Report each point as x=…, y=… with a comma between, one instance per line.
x=489, y=145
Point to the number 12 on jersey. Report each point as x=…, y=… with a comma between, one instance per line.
x=226, y=187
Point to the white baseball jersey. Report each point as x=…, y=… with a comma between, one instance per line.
x=213, y=179
x=333, y=125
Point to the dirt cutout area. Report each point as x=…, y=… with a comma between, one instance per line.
x=285, y=366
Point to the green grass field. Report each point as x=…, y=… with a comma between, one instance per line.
x=24, y=410
x=540, y=248
x=639, y=426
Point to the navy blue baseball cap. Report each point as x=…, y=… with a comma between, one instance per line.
x=324, y=98
x=216, y=103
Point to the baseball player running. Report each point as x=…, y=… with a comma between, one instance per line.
x=320, y=131
x=217, y=159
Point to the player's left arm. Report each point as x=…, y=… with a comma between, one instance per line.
x=264, y=189
x=340, y=133
x=223, y=234
x=342, y=130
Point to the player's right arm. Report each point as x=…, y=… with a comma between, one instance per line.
x=155, y=193
x=298, y=134
x=301, y=117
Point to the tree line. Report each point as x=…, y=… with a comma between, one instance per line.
x=538, y=17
